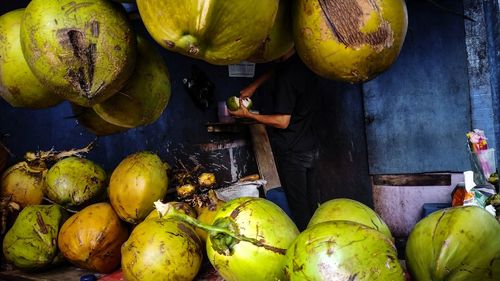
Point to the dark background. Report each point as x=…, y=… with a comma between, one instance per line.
x=413, y=118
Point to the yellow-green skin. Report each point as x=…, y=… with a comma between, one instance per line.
x=30, y=244
x=74, y=182
x=279, y=40
x=342, y=250
x=218, y=31
x=82, y=50
x=349, y=210
x=455, y=244
x=179, y=206
x=136, y=183
x=259, y=219
x=92, y=122
x=145, y=95
x=18, y=85
x=23, y=184
x=362, y=38
x=162, y=249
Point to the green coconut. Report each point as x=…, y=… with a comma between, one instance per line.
x=279, y=40
x=350, y=41
x=82, y=50
x=270, y=232
x=342, y=250
x=30, y=244
x=219, y=32
x=75, y=182
x=162, y=249
x=233, y=103
x=92, y=122
x=455, y=244
x=350, y=210
x=145, y=95
x=139, y=180
x=18, y=85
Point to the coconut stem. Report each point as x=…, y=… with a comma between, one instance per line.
x=164, y=209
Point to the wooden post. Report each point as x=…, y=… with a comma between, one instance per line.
x=264, y=156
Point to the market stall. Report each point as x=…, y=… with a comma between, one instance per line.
x=122, y=157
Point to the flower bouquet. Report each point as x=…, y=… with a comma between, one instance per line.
x=482, y=160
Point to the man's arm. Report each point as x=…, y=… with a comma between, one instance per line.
x=249, y=90
x=280, y=121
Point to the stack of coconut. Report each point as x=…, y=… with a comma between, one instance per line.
x=87, y=53
x=101, y=225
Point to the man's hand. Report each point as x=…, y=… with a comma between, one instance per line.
x=241, y=112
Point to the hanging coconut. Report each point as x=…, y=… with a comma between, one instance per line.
x=219, y=32
x=137, y=182
x=349, y=210
x=31, y=244
x=342, y=250
x=82, y=50
x=23, y=184
x=279, y=40
x=92, y=238
x=145, y=95
x=162, y=249
x=346, y=40
x=261, y=257
x=75, y=182
x=92, y=122
x=18, y=85
x=459, y=244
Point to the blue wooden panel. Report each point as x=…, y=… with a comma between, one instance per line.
x=417, y=112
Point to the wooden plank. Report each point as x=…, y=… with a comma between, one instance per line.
x=264, y=156
x=413, y=180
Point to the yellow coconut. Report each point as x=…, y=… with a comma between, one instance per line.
x=280, y=39
x=137, y=182
x=18, y=85
x=349, y=40
x=91, y=121
x=23, y=184
x=217, y=31
x=142, y=100
x=92, y=238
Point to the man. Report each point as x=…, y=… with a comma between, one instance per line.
x=291, y=130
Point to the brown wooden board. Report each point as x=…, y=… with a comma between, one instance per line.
x=264, y=156
x=412, y=179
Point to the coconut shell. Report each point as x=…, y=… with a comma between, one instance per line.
x=219, y=32
x=255, y=218
x=350, y=210
x=139, y=180
x=349, y=41
x=30, y=244
x=142, y=100
x=18, y=85
x=280, y=39
x=459, y=244
x=75, y=182
x=82, y=50
x=92, y=122
x=162, y=249
x=23, y=184
x=92, y=238
x=342, y=250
